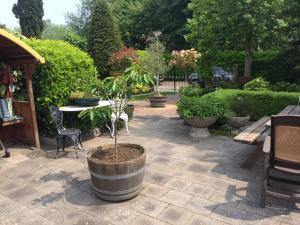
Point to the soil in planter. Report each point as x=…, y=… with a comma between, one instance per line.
x=124, y=154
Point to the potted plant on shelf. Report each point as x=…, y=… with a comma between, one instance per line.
x=156, y=65
x=239, y=115
x=117, y=170
x=83, y=98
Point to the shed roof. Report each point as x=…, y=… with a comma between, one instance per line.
x=13, y=48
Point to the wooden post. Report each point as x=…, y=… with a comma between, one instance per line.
x=28, y=70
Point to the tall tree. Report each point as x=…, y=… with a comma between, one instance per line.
x=103, y=36
x=79, y=20
x=30, y=14
x=169, y=17
x=235, y=25
x=54, y=31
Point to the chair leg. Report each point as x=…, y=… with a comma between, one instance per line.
x=81, y=146
x=75, y=147
x=58, y=146
x=126, y=126
x=265, y=181
x=64, y=143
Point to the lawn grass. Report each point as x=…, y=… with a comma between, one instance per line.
x=147, y=95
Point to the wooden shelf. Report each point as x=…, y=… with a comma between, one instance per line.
x=9, y=123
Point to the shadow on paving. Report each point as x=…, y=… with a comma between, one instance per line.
x=76, y=191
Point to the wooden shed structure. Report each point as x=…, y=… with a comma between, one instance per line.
x=16, y=54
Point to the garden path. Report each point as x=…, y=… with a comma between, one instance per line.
x=188, y=181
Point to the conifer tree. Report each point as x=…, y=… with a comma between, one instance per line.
x=103, y=36
x=30, y=14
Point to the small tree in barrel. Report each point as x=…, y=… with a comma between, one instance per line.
x=117, y=90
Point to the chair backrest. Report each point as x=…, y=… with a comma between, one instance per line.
x=285, y=141
x=118, y=106
x=57, y=117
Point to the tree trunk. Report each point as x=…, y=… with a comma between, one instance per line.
x=235, y=72
x=248, y=57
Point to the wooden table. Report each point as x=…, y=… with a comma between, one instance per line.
x=256, y=134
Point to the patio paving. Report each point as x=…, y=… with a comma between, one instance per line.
x=188, y=181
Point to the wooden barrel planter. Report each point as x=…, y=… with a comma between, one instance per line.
x=117, y=180
x=158, y=101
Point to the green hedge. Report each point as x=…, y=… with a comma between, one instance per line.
x=262, y=103
x=67, y=69
x=274, y=65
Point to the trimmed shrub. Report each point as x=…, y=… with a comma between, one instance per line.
x=193, y=91
x=220, y=103
x=258, y=84
x=275, y=65
x=103, y=36
x=67, y=69
x=285, y=86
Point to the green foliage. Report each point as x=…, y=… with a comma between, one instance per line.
x=240, y=107
x=99, y=117
x=167, y=16
x=274, y=64
x=30, y=14
x=258, y=84
x=236, y=25
x=54, y=31
x=103, y=36
x=193, y=91
x=154, y=60
x=140, y=89
x=67, y=69
x=122, y=86
x=285, y=86
x=261, y=103
x=205, y=106
x=79, y=20
x=76, y=40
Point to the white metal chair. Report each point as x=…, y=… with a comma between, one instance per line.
x=118, y=106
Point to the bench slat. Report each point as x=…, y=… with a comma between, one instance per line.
x=289, y=110
x=251, y=133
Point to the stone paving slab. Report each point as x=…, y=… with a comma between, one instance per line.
x=187, y=181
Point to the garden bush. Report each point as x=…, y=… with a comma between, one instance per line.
x=285, y=86
x=258, y=84
x=193, y=91
x=67, y=69
x=262, y=103
x=194, y=101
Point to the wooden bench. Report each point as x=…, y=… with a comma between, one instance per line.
x=254, y=134
x=257, y=132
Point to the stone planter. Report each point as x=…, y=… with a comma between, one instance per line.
x=114, y=180
x=129, y=111
x=200, y=122
x=237, y=121
x=158, y=101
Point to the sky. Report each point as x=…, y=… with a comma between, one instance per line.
x=54, y=10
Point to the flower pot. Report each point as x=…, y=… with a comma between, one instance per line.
x=237, y=121
x=200, y=122
x=158, y=101
x=117, y=180
x=129, y=111
x=87, y=101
